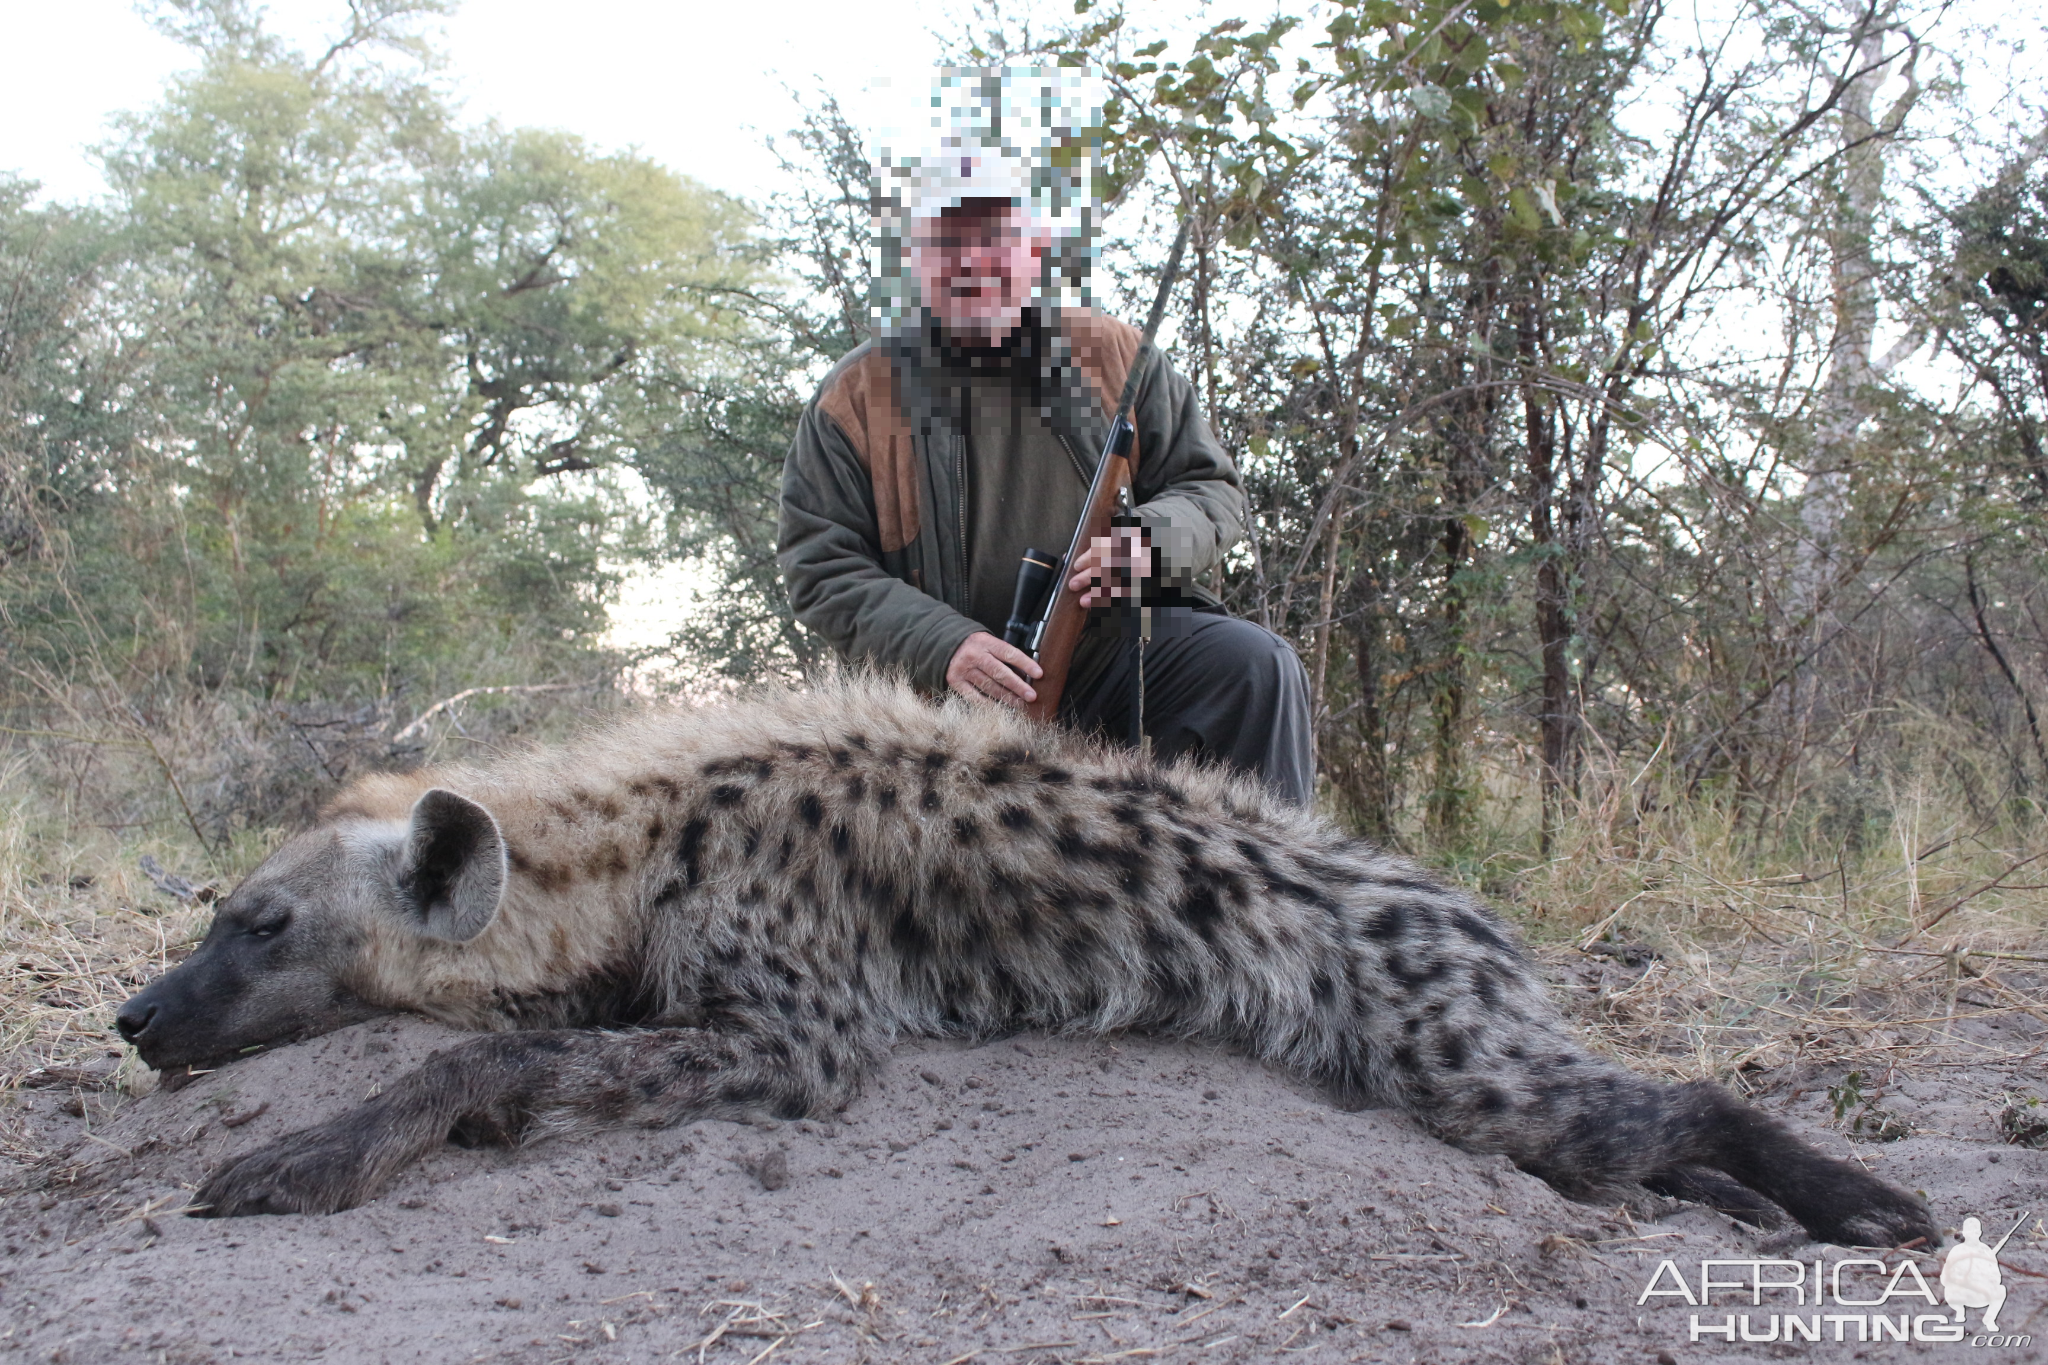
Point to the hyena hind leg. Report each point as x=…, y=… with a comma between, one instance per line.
x=522, y=1087
x=1592, y=1130
x=1836, y=1201
x=1700, y=1185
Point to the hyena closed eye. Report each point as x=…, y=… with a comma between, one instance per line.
x=733, y=912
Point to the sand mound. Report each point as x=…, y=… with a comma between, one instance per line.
x=1032, y=1200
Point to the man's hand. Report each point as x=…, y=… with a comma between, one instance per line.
x=986, y=669
x=1118, y=558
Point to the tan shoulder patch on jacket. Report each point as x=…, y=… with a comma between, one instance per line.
x=1104, y=349
x=864, y=402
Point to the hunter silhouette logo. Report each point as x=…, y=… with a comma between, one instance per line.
x=1969, y=1276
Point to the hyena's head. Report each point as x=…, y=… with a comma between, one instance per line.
x=285, y=953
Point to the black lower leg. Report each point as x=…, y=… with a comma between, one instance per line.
x=1698, y=1185
x=1606, y=1131
x=1836, y=1201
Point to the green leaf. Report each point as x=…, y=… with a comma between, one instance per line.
x=1522, y=210
x=1433, y=102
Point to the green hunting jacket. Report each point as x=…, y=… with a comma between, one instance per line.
x=886, y=553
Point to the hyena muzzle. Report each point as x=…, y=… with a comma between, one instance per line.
x=732, y=912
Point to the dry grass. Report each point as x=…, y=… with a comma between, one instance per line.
x=81, y=928
x=1727, y=953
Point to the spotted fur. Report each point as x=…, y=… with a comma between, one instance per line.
x=733, y=911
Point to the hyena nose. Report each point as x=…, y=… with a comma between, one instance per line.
x=133, y=1019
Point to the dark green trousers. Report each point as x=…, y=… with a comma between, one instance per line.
x=1216, y=688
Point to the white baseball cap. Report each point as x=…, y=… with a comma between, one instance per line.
x=1028, y=134
x=966, y=170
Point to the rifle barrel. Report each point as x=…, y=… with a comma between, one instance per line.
x=2015, y=1228
x=1117, y=441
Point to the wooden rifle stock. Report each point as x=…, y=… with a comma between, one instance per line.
x=1109, y=492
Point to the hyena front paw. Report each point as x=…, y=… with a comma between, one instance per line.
x=319, y=1170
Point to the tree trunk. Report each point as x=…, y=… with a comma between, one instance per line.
x=1449, y=809
x=1371, y=790
x=1845, y=400
x=1469, y=435
x=1558, y=720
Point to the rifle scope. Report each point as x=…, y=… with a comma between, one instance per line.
x=1035, y=577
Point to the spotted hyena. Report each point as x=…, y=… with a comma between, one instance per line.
x=733, y=911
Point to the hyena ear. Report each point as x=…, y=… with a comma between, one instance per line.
x=452, y=873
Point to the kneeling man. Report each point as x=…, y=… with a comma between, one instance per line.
x=967, y=431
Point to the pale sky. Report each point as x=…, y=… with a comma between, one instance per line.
x=695, y=86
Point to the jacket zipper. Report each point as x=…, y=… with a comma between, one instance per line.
x=1087, y=479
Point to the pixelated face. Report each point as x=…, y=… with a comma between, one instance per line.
x=976, y=265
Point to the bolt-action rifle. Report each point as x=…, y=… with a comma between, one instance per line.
x=1045, y=617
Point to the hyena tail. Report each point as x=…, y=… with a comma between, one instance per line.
x=1604, y=1130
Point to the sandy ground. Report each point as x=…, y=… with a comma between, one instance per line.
x=1032, y=1200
